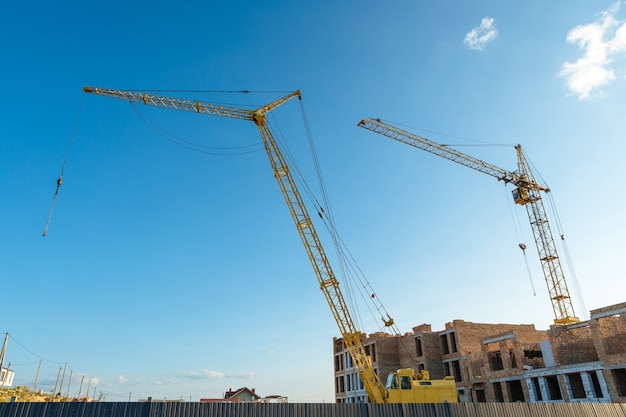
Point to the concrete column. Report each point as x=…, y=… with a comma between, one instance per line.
x=603, y=386
x=588, y=385
x=545, y=392
x=532, y=395
x=567, y=392
x=504, y=354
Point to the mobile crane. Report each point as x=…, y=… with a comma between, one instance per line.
x=526, y=193
x=402, y=386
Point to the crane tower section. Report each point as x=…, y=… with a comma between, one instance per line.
x=527, y=193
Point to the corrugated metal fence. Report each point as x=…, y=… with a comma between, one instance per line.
x=175, y=409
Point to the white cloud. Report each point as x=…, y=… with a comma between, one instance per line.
x=248, y=375
x=205, y=374
x=480, y=36
x=209, y=374
x=212, y=374
x=602, y=42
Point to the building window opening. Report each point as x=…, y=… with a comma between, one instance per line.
x=445, y=348
x=495, y=361
x=418, y=346
x=620, y=379
x=513, y=359
x=348, y=360
x=596, y=385
x=446, y=369
x=576, y=385
x=497, y=392
x=532, y=354
x=516, y=394
x=453, y=341
x=341, y=385
x=480, y=396
x=554, y=389
x=457, y=371
x=537, y=389
x=370, y=350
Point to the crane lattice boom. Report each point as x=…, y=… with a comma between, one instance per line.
x=527, y=194
x=323, y=271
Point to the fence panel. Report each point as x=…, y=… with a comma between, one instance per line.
x=180, y=409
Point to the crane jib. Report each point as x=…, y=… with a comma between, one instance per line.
x=527, y=194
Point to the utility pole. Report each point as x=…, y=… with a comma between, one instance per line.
x=56, y=384
x=37, y=376
x=69, y=382
x=80, y=389
x=63, y=377
x=4, y=348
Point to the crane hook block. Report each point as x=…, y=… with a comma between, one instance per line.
x=388, y=323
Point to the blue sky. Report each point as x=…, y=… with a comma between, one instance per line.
x=179, y=274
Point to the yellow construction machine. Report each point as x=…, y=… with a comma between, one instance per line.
x=404, y=386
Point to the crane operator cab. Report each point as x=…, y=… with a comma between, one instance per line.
x=404, y=387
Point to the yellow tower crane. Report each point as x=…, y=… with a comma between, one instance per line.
x=418, y=391
x=526, y=193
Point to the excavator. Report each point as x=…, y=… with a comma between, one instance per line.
x=526, y=193
x=402, y=386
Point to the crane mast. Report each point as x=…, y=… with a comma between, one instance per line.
x=323, y=271
x=526, y=193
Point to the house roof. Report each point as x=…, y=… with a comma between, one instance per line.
x=241, y=392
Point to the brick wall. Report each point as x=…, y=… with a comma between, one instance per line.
x=610, y=335
x=572, y=344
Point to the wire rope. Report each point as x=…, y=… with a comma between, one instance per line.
x=60, y=180
x=348, y=270
x=568, y=259
x=519, y=232
x=306, y=189
x=33, y=353
x=50, y=364
x=354, y=279
x=207, y=150
x=479, y=142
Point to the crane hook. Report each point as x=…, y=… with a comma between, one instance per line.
x=388, y=323
x=59, y=182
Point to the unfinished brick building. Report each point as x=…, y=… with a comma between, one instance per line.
x=504, y=362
